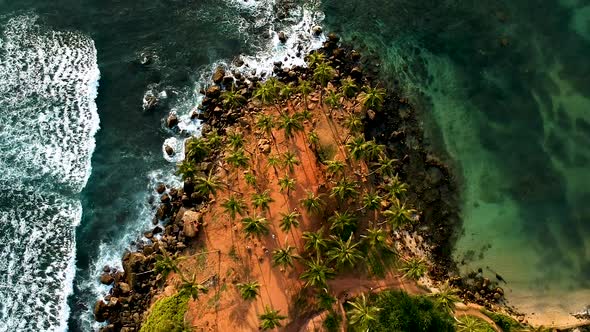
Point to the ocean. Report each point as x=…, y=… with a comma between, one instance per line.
x=503, y=88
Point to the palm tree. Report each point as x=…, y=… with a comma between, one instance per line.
x=192, y=288
x=362, y=314
x=270, y=319
x=250, y=179
x=305, y=89
x=290, y=124
x=315, y=58
x=187, y=169
x=414, y=268
x=470, y=323
x=267, y=92
x=345, y=253
x=386, y=166
x=372, y=98
x=348, y=87
x=289, y=220
x=357, y=147
x=314, y=139
x=197, y=149
x=273, y=161
x=315, y=241
x=333, y=100
x=342, y=224
x=312, y=203
x=376, y=240
x=325, y=300
x=262, y=200
x=317, y=273
x=323, y=73
x=287, y=184
x=398, y=214
x=344, y=190
x=303, y=115
x=335, y=167
x=233, y=206
x=207, y=185
x=165, y=264
x=265, y=123
x=290, y=160
x=255, y=226
x=238, y=159
x=232, y=98
x=373, y=150
x=371, y=201
x=283, y=257
x=287, y=91
x=446, y=297
x=249, y=290
x=395, y=187
x=214, y=140
x=354, y=123
x=235, y=140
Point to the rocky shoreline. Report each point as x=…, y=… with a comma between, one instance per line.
x=179, y=214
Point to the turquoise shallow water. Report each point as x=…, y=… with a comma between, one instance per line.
x=505, y=92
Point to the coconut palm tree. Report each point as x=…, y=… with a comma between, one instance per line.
x=196, y=149
x=232, y=98
x=165, y=264
x=395, y=187
x=238, y=159
x=273, y=161
x=312, y=203
x=385, y=166
x=325, y=300
x=357, y=147
x=314, y=139
x=249, y=290
x=469, y=323
x=234, y=206
x=265, y=123
x=207, y=185
x=361, y=313
x=344, y=190
x=270, y=319
x=235, y=140
x=290, y=124
x=373, y=150
x=267, y=92
x=446, y=297
x=398, y=214
x=335, y=167
x=283, y=257
x=214, y=140
x=290, y=160
x=262, y=200
x=371, y=201
x=323, y=73
x=376, y=240
x=317, y=273
x=255, y=226
x=287, y=90
x=344, y=253
x=343, y=223
x=303, y=115
x=348, y=87
x=315, y=58
x=414, y=268
x=250, y=179
x=289, y=220
x=332, y=99
x=287, y=184
x=315, y=241
x=354, y=123
x=305, y=89
x=187, y=169
x=192, y=288
x=372, y=98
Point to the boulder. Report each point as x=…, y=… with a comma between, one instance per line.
x=282, y=37
x=333, y=37
x=218, y=75
x=316, y=30
x=133, y=262
x=213, y=91
x=160, y=188
x=165, y=199
x=264, y=145
x=106, y=279
x=172, y=120
x=169, y=150
x=100, y=311
x=191, y=221
x=125, y=288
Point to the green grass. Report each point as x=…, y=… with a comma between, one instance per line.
x=506, y=323
x=167, y=315
x=401, y=312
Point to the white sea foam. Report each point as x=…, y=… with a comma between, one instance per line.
x=48, y=118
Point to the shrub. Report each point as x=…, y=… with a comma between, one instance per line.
x=402, y=312
x=506, y=323
x=167, y=315
x=332, y=322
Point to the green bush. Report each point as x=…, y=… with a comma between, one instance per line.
x=332, y=322
x=167, y=315
x=506, y=323
x=401, y=312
